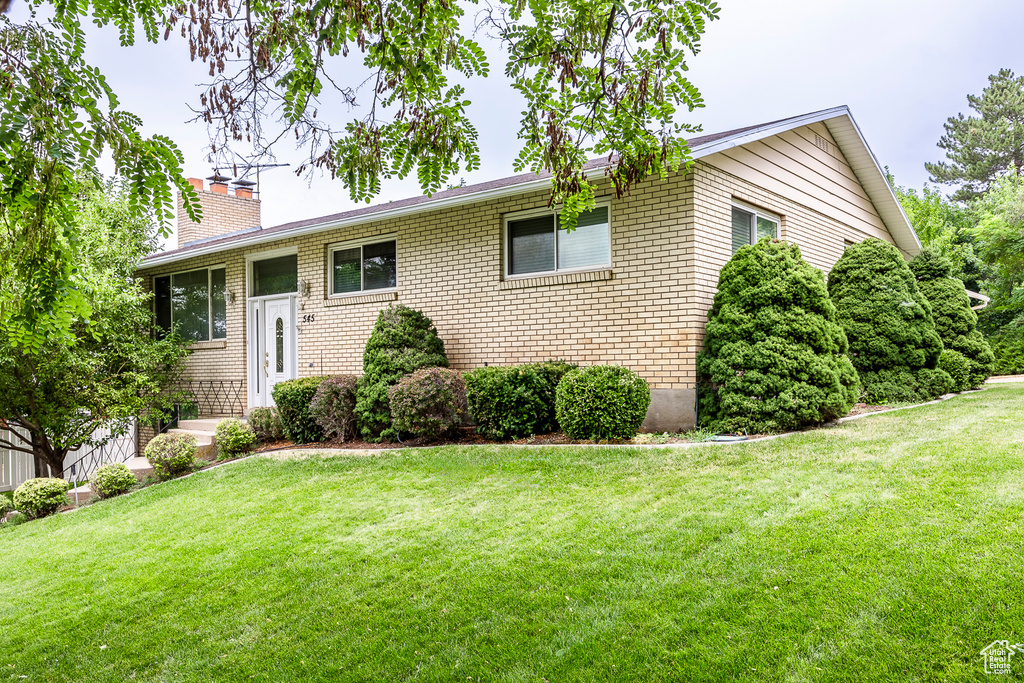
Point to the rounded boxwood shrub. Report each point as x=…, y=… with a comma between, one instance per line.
x=334, y=405
x=41, y=497
x=171, y=454
x=955, y=322
x=234, y=439
x=403, y=341
x=510, y=402
x=266, y=423
x=601, y=402
x=429, y=402
x=112, y=480
x=956, y=366
x=774, y=354
x=293, y=397
x=888, y=323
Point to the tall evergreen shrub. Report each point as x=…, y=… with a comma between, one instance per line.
x=889, y=324
x=773, y=356
x=955, y=322
x=403, y=341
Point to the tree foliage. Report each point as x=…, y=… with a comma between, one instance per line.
x=888, y=323
x=108, y=369
x=945, y=226
x=955, y=322
x=58, y=117
x=773, y=356
x=598, y=78
x=981, y=148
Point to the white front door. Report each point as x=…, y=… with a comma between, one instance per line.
x=272, y=345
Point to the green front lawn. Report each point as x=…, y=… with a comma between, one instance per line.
x=891, y=548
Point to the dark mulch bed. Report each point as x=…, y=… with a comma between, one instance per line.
x=467, y=436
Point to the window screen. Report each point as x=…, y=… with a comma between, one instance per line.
x=162, y=304
x=379, y=266
x=741, y=221
x=347, y=276
x=588, y=244
x=218, y=305
x=190, y=297
x=275, y=276
x=531, y=245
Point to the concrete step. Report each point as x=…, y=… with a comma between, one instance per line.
x=140, y=467
x=83, y=494
x=203, y=437
x=206, y=424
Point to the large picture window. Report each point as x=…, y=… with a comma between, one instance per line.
x=536, y=243
x=749, y=225
x=369, y=266
x=192, y=301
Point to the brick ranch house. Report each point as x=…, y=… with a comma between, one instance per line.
x=488, y=264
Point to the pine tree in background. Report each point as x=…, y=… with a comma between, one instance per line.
x=889, y=325
x=955, y=322
x=773, y=357
x=981, y=148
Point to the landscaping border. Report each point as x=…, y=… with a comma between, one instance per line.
x=324, y=452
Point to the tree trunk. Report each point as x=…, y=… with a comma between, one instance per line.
x=52, y=457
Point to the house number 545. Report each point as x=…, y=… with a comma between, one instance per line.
x=309, y=318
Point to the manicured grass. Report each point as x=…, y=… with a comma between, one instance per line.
x=886, y=549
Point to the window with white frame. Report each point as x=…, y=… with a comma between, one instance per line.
x=363, y=266
x=750, y=224
x=193, y=302
x=535, y=243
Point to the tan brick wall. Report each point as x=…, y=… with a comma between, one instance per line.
x=222, y=214
x=647, y=313
x=450, y=267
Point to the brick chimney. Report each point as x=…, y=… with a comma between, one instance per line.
x=224, y=212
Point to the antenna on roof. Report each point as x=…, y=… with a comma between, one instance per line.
x=247, y=167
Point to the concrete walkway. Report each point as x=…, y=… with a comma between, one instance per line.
x=1003, y=379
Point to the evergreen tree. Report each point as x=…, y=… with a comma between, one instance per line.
x=955, y=322
x=773, y=356
x=981, y=148
x=889, y=324
x=403, y=341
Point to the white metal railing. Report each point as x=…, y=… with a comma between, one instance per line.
x=17, y=467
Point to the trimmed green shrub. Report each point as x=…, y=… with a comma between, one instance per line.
x=334, y=405
x=293, y=397
x=403, y=341
x=112, y=480
x=429, y=402
x=171, y=454
x=957, y=367
x=601, y=402
x=5, y=505
x=266, y=422
x=955, y=322
x=510, y=402
x=41, y=497
x=888, y=323
x=234, y=439
x=774, y=354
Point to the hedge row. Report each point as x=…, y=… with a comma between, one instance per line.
x=783, y=350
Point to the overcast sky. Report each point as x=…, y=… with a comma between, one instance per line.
x=902, y=66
